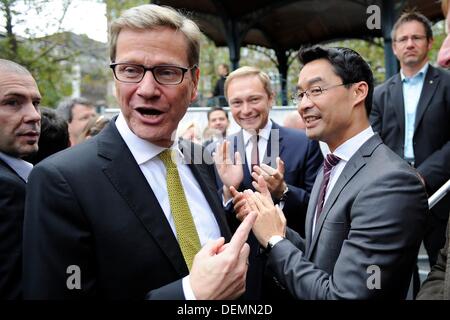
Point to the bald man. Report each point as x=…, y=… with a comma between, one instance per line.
x=19, y=134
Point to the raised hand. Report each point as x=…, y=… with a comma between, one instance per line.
x=274, y=178
x=230, y=172
x=219, y=270
x=270, y=221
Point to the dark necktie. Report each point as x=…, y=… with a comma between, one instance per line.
x=330, y=161
x=255, y=154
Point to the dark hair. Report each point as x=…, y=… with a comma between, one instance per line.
x=65, y=107
x=413, y=16
x=347, y=64
x=54, y=135
x=217, y=109
x=224, y=65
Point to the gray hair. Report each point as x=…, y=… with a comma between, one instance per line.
x=150, y=16
x=65, y=107
x=13, y=67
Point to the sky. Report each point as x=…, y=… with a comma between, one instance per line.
x=82, y=17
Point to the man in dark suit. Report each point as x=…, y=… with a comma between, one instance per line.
x=287, y=159
x=19, y=134
x=367, y=207
x=437, y=284
x=122, y=215
x=411, y=112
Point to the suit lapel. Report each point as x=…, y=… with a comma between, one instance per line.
x=208, y=187
x=313, y=199
x=430, y=85
x=7, y=167
x=397, y=102
x=275, y=146
x=133, y=187
x=353, y=166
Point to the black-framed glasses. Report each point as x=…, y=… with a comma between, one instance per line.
x=414, y=38
x=313, y=91
x=163, y=74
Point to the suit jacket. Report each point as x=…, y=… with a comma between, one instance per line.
x=431, y=140
x=372, y=221
x=91, y=206
x=12, y=202
x=302, y=158
x=437, y=284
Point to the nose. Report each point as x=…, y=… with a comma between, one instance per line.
x=31, y=113
x=148, y=87
x=304, y=104
x=444, y=53
x=246, y=109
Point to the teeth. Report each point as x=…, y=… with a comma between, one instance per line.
x=309, y=119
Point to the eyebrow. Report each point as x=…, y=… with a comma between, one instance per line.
x=311, y=82
x=21, y=96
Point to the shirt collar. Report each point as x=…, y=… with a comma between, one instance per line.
x=21, y=167
x=346, y=150
x=419, y=74
x=264, y=132
x=142, y=150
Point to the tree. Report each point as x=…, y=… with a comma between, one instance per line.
x=44, y=57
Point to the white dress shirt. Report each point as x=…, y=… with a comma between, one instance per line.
x=264, y=135
x=412, y=89
x=21, y=167
x=345, y=151
x=146, y=156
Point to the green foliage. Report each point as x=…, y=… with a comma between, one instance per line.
x=41, y=56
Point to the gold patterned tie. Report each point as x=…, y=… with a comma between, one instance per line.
x=184, y=224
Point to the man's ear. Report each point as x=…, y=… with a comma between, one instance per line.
x=195, y=79
x=360, y=91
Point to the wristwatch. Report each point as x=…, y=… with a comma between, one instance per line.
x=272, y=242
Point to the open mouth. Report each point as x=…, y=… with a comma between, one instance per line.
x=149, y=112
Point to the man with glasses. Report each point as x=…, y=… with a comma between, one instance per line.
x=411, y=112
x=437, y=284
x=286, y=158
x=125, y=215
x=367, y=208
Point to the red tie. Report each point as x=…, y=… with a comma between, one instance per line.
x=330, y=161
x=255, y=154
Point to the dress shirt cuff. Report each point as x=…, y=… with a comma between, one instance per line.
x=187, y=289
x=226, y=204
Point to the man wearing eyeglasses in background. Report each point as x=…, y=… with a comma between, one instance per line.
x=411, y=112
x=437, y=284
x=124, y=215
